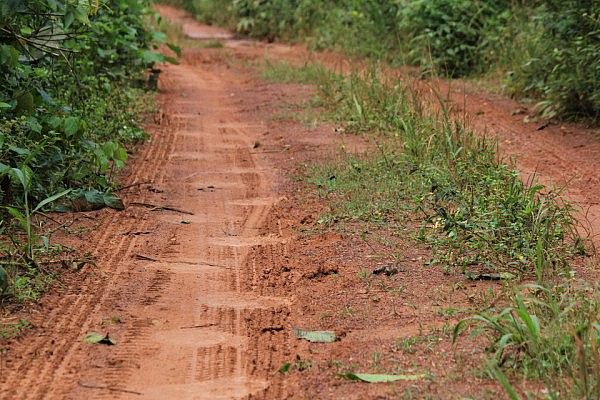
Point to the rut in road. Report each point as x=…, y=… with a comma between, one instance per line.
x=195, y=329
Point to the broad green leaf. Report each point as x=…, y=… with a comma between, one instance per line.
x=9, y=55
x=316, y=336
x=69, y=18
x=159, y=37
x=97, y=338
x=94, y=197
x=19, y=150
x=23, y=176
x=113, y=201
x=3, y=280
x=26, y=30
x=72, y=125
x=381, y=378
x=50, y=199
x=176, y=49
x=4, y=106
x=120, y=154
x=109, y=149
x=152, y=57
x=34, y=125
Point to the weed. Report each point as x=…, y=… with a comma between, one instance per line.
x=450, y=312
x=477, y=213
x=284, y=72
x=347, y=311
x=547, y=49
x=13, y=330
x=549, y=332
x=407, y=345
x=299, y=364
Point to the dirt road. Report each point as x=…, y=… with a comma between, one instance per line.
x=201, y=279
x=176, y=291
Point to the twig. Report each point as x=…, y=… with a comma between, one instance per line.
x=132, y=185
x=104, y=387
x=198, y=326
x=146, y=258
x=154, y=207
x=137, y=233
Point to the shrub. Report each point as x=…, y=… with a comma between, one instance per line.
x=449, y=35
x=550, y=47
x=563, y=63
x=68, y=77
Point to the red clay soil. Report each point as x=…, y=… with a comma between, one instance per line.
x=219, y=255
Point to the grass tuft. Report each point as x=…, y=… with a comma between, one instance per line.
x=476, y=213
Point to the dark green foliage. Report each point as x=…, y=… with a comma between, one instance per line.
x=563, y=63
x=63, y=69
x=68, y=109
x=550, y=49
x=449, y=35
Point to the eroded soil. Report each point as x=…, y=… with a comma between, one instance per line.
x=219, y=255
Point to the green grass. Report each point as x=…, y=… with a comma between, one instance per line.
x=473, y=210
x=550, y=333
x=285, y=72
x=13, y=329
x=429, y=171
x=545, y=50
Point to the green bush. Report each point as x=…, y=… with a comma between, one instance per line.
x=71, y=73
x=550, y=48
x=64, y=89
x=449, y=35
x=562, y=66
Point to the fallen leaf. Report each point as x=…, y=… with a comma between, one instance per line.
x=380, y=378
x=285, y=368
x=315, y=336
x=97, y=338
x=90, y=200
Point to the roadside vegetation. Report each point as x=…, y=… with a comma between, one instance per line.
x=73, y=85
x=546, y=50
x=479, y=218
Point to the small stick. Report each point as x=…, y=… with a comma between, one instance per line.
x=148, y=258
x=112, y=389
x=198, y=326
x=154, y=207
x=132, y=185
x=143, y=257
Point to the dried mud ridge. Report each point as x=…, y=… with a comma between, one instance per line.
x=200, y=304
